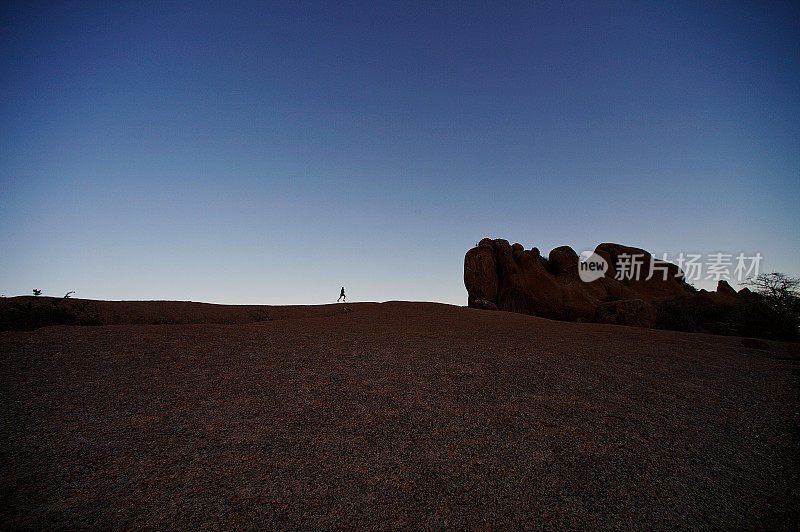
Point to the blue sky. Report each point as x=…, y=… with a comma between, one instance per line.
x=270, y=153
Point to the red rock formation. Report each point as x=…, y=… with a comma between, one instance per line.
x=513, y=279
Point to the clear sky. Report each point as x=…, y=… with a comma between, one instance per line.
x=272, y=152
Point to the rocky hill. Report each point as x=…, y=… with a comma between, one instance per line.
x=508, y=277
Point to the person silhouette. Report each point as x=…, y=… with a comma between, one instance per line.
x=341, y=296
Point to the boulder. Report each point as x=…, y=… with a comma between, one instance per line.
x=724, y=288
x=563, y=260
x=480, y=273
x=646, y=277
x=635, y=312
x=725, y=295
x=755, y=343
x=483, y=304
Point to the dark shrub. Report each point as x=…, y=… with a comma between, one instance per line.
x=694, y=314
x=759, y=316
x=754, y=315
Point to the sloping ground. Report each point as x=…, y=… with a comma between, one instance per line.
x=171, y=312
x=395, y=415
x=58, y=311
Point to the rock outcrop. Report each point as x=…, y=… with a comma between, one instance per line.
x=511, y=278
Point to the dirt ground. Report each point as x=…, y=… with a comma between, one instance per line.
x=392, y=415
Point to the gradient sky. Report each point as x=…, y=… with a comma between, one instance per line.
x=271, y=153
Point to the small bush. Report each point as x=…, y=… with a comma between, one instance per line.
x=760, y=317
x=775, y=305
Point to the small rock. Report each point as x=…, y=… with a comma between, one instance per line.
x=755, y=343
x=483, y=304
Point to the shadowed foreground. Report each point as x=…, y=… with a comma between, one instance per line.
x=395, y=414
